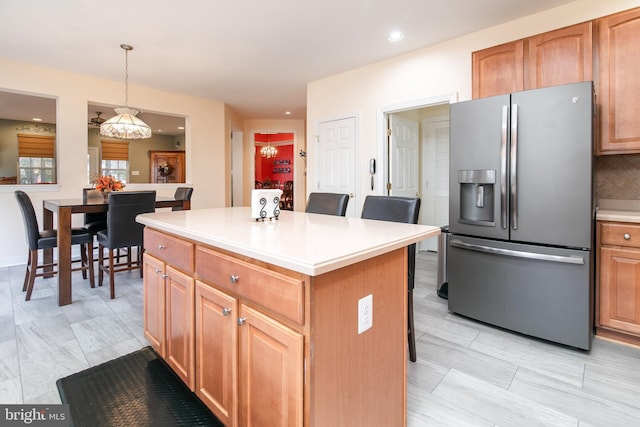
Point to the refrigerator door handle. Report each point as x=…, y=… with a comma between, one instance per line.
x=514, y=166
x=518, y=254
x=503, y=168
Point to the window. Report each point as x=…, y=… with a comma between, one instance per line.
x=36, y=159
x=115, y=160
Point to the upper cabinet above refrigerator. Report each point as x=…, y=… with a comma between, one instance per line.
x=549, y=59
x=605, y=50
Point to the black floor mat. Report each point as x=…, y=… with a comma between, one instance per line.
x=138, y=389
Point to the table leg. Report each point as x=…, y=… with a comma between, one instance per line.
x=47, y=219
x=64, y=256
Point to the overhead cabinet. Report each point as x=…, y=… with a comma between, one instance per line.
x=605, y=50
x=498, y=70
x=618, y=86
x=549, y=59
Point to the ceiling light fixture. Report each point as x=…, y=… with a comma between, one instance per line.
x=125, y=125
x=269, y=151
x=395, y=36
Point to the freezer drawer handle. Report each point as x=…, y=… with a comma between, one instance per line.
x=518, y=254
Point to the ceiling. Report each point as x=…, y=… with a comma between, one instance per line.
x=257, y=56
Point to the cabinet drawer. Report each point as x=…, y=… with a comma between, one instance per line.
x=277, y=292
x=172, y=250
x=620, y=234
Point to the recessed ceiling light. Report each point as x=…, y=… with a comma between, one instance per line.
x=288, y=113
x=395, y=36
x=181, y=127
x=36, y=119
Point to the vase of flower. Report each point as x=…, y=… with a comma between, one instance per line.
x=107, y=184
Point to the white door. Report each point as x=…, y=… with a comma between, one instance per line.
x=403, y=157
x=335, y=159
x=435, y=204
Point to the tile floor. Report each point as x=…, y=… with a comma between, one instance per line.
x=467, y=373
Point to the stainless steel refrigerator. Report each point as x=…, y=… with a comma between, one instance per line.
x=521, y=212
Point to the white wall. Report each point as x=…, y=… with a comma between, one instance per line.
x=205, y=142
x=432, y=72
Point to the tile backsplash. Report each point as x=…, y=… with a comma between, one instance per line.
x=618, y=177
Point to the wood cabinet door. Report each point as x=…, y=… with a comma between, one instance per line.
x=559, y=57
x=618, y=86
x=498, y=70
x=216, y=352
x=175, y=170
x=153, y=308
x=179, y=314
x=271, y=371
x=620, y=289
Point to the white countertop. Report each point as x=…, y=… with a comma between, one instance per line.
x=311, y=244
x=618, y=210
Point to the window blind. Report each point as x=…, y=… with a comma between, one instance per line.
x=36, y=146
x=115, y=150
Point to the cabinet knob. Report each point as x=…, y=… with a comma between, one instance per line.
x=627, y=236
x=226, y=311
x=158, y=271
x=234, y=278
x=160, y=247
x=242, y=321
x=164, y=276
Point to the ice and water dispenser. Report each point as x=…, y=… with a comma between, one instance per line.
x=477, y=192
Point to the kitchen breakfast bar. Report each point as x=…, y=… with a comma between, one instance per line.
x=290, y=322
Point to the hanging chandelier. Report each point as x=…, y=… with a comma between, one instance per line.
x=125, y=125
x=269, y=151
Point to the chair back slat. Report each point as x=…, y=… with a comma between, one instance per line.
x=395, y=209
x=182, y=193
x=30, y=219
x=327, y=203
x=122, y=228
x=91, y=195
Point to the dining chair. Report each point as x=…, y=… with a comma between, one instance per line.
x=94, y=221
x=327, y=203
x=123, y=232
x=48, y=239
x=182, y=193
x=399, y=209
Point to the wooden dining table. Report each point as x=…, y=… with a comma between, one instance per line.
x=64, y=208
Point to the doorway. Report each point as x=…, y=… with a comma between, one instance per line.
x=274, y=164
x=421, y=126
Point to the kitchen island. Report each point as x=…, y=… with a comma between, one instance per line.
x=299, y=321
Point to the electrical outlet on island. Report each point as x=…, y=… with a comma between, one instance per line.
x=365, y=313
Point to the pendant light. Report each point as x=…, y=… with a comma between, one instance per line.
x=269, y=151
x=125, y=125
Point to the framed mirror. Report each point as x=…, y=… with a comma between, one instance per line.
x=27, y=139
x=159, y=159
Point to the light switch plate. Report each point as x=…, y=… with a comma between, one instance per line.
x=365, y=313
